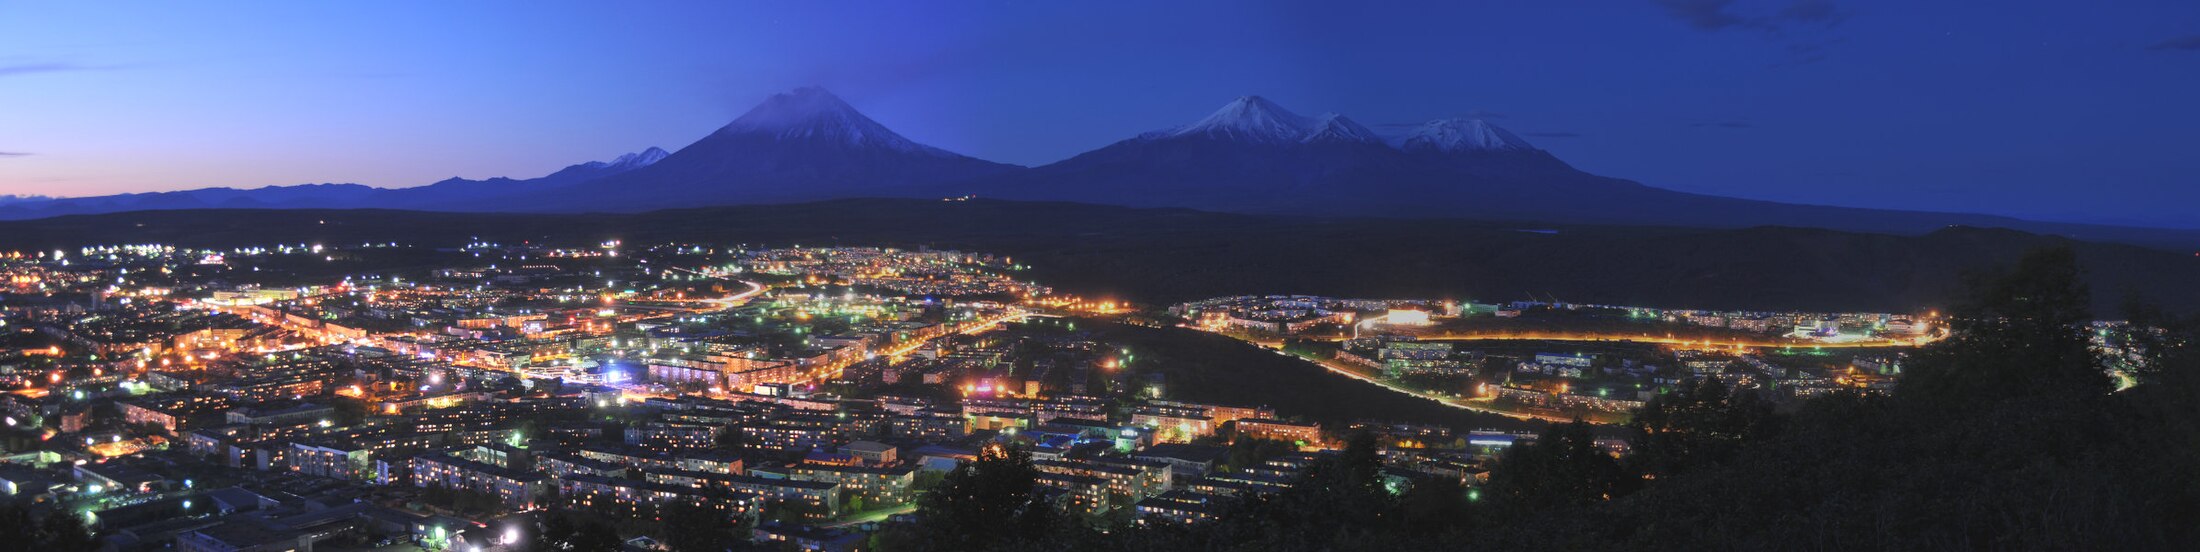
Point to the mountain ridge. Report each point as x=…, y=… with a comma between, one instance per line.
x=1252, y=155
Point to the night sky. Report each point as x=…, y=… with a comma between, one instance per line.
x=2055, y=110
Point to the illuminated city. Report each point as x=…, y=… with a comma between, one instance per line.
x=1897, y=277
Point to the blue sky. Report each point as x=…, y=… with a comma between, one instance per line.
x=2056, y=110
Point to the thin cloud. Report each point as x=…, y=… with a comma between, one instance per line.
x=1793, y=25
x=1718, y=15
x=2187, y=43
x=1704, y=15
x=1813, y=11
x=12, y=154
x=1475, y=114
x=44, y=67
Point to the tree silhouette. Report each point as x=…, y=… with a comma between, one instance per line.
x=1697, y=424
x=1562, y=470
x=988, y=503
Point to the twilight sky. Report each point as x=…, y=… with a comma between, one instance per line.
x=2054, y=110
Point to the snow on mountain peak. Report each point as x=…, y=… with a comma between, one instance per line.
x=1463, y=135
x=1332, y=127
x=640, y=159
x=1250, y=118
x=811, y=113
x=627, y=162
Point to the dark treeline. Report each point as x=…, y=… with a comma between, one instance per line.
x=1162, y=256
x=27, y=529
x=2006, y=437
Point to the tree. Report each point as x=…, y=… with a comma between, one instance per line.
x=795, y=511
x=2022, y=334
x=850, y=501
x=1355, y=475
x=1434, y=505
x=1246, y=452
x=561, y=531
x=692, y=528
x=58, y=530
x=556, y=533
x=64, y=531
x=16, y=522
x=594, y=536
x=1696, y=425
x=729, y=439
x=1561, y=470
x=2161, y=413
x=2003, y=436
x=989, y=503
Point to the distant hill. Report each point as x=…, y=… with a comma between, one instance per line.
x=1167, y=255
x=1254, y=156
x=453, y=194
x=1250, y=156
x=804, y=145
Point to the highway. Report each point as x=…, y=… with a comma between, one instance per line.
x=1697, y=343
x=1630, y=338
x=1462, y=404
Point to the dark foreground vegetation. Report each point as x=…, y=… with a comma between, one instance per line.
x=2008, y=437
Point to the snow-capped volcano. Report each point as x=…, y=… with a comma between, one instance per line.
x=1253, y=119
x=1462, y=135
x=1249, y=119
x=1254, y=155
x=1334, y=128
x=813, y=114
x=801, y=145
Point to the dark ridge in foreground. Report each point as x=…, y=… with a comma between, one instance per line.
x=1168, y=255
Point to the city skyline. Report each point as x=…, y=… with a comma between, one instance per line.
x=1825, y=103
x=1014, y=275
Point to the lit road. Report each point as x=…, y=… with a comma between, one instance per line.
x=738, y=299
x=873, y=516
x=1477, y=406
x=1462, y=404
x=1654, y=340
x=900, y=349
x=1634, y=338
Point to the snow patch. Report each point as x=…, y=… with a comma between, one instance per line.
x=1251, y=119
x=1334, y=128
x=813, y=114
x=1463, y=135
